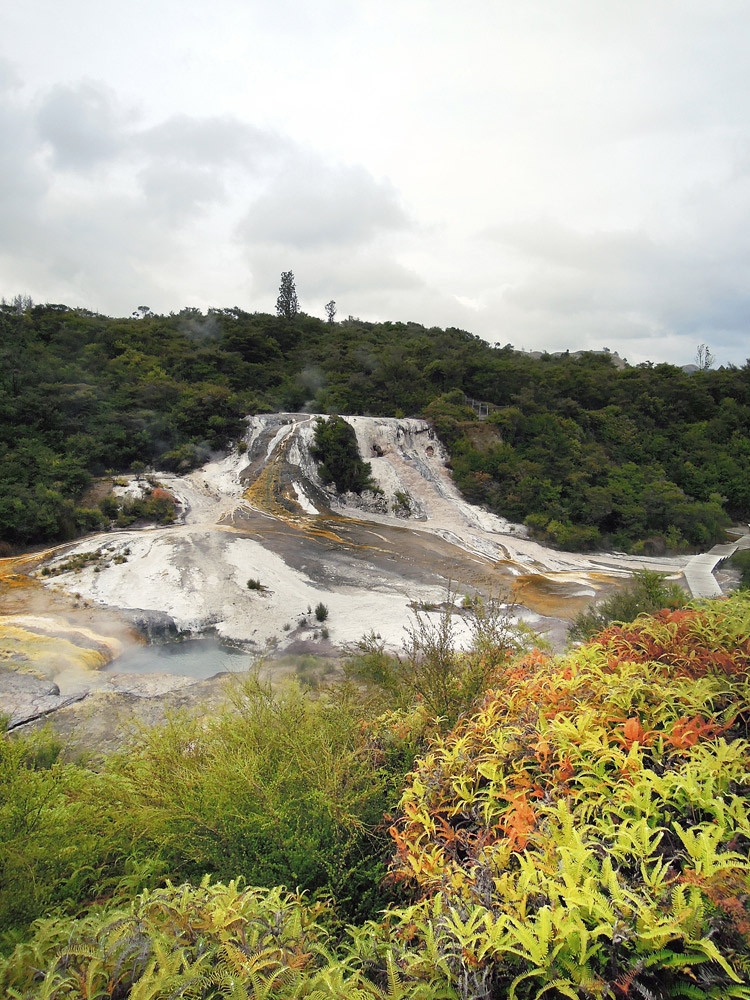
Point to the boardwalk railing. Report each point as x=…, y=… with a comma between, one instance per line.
x=481, y=408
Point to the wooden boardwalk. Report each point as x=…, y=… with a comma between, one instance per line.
x=699, y=572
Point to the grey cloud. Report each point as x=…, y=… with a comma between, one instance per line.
x=82, y=124
x=102, y=260
x=93, y=245
x=367, y=270
x=549, y=241
x=8, y=76
x=132, y=231
x=313, y=205
x=596, y=288
x=23, y=185
x=218, y=141
x=177, y=192
x=129, y=234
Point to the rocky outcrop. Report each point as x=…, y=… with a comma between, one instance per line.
x=26, y=697
x=154, y=626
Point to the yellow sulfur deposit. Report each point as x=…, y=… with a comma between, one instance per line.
x=46, y=646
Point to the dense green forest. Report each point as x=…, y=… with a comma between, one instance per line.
x=574, y=826
x=586, y=454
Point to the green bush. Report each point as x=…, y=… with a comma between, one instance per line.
x=444, y=680
x=62, y=838
x=338, y=457
x=321, y=612
x=282, y=789
x=582, y=832
x=647, y=594
x=198, y=941
x=741, y=561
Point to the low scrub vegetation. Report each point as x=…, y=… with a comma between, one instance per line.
x=156, y=504
x=578, y=827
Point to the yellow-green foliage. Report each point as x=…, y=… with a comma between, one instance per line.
x=587, y=830
x=206, y=941
x=281, y=790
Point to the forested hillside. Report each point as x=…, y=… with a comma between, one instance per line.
x=586, y=454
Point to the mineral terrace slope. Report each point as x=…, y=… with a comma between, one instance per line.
x=264, y=514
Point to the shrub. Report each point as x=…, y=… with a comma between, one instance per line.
x=586, y=831
x=336, y=451
x=60, y=839
x=181, y=459
x=253, y=584
x=282, y=790
x=401, y=503
x=155, y=505
x=444, y=680
x=647, y=594
x=741, y=561
x=321, y=612
x=183, y=940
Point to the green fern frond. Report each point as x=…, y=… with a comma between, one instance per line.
x=689, y=990
x=563, y=986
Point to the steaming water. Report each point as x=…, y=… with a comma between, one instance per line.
x=196, y=658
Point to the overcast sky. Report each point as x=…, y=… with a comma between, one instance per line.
x=548, y=173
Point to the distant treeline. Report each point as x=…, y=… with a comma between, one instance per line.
x=586, y=454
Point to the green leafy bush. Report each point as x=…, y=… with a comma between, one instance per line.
x=282, y=789
x=337, y=454
x=205, y=942
x=741, y=561
x=62, y=839
x=432, y=671
x=648, y=593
